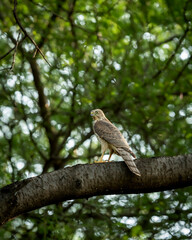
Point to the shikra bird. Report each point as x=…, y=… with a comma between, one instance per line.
x=111, y=138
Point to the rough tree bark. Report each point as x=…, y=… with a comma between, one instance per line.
x=87, y=180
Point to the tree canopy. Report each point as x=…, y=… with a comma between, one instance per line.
x=61, y=59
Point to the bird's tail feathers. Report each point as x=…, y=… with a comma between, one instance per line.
x=129, y=161
x=128, y=150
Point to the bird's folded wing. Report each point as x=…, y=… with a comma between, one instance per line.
x=107, y=131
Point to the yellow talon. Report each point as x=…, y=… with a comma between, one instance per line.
x=99, y=161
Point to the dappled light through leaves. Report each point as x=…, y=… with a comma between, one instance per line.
x=61, y=59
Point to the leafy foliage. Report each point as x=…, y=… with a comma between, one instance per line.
x=130, y=58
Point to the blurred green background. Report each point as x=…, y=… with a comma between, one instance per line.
x=131, y=58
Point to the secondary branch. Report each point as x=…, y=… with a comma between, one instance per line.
x=25, y=32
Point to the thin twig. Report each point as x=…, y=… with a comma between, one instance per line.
x=48, y=10
x=183, y=69
x=6, y=54
x=167, y=40
x=17, y=42
x=172, y=55
x=63, y=18
x=179, y=43
x=25, y=32
x=15, y=51
x=34, y=55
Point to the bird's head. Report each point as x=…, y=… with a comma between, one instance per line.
x=97, y=114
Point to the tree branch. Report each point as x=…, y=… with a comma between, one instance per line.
x=156, y=75
x=43, y=106
x=25, y=32
x=6, y=54
x=42, y=100
x=167, y=40
x=17, y=43
x=15, y=51
x=183, y=69
x=71, y=21
x=87, y=180
x=172, y=55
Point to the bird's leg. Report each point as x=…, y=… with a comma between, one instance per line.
x=100, y=159
x=111, y=153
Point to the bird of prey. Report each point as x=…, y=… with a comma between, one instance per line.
x=111, y=138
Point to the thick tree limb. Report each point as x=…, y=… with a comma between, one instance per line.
x=87, y=180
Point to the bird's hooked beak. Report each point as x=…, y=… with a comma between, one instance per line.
x=93, y=114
